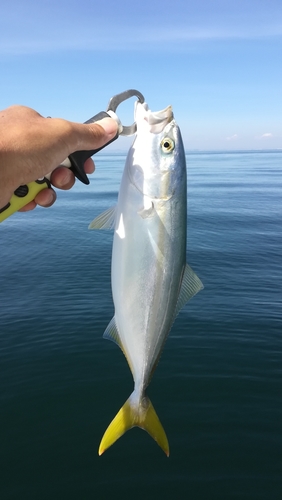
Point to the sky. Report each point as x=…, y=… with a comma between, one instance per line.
x=217, y=62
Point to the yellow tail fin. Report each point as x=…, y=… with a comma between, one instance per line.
x=130, y=415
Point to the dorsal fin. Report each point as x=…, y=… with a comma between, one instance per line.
x=190, y=285
x=106, y=220
x=111, y=333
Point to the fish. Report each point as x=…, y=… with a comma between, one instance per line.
x=150, y=278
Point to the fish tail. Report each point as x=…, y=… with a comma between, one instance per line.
x=132, y=414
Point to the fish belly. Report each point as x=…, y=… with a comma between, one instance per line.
x=149, y=256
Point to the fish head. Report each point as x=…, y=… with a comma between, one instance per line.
x=157, y=165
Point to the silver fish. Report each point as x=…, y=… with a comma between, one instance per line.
x=151, y=281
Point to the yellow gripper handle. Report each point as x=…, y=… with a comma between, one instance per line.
x=23, y=195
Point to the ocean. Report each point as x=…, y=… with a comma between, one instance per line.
x=218, y=386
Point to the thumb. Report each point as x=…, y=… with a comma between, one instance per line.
x=94, y=135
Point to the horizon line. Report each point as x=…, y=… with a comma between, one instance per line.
x=189, y=151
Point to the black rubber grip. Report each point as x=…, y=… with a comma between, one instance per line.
x=21, y=191
x=3, y=209
x=78, y=158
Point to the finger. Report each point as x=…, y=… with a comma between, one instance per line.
x=93, y=135
x=89, y=166
x=29, y=206
x=62, y=178
x=45, y=198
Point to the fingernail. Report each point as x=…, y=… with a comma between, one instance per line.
x=109, y=125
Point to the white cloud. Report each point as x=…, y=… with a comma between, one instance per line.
x=232, y=137
x=120, y=38
x=267, y=135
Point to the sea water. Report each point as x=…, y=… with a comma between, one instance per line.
x=218, y=386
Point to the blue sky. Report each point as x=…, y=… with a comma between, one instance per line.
x=219, y=63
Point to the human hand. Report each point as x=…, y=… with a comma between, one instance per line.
x=62, y=178
x=32, y=146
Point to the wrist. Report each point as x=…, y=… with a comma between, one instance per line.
x=8, y=183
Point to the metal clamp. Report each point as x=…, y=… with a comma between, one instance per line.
x=116, y=100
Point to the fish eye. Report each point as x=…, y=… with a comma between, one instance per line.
x=167, y=145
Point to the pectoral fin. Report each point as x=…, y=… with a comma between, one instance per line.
x=147, y=211
x=106, y=220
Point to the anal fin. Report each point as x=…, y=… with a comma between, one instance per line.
x=112, y=333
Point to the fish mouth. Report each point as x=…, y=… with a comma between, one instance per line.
x=156, y=120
